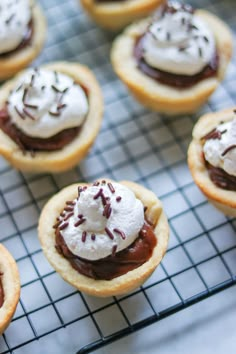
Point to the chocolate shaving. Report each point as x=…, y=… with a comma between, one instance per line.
x=54, y=114
x=28, y=114
x=68, y=216
x=109, y=233
x=229, y=148
x=98, y=194
x=206, y=39
x=213, y=134
x=19, y=112
x=81, y=221
x=110, y=186
x=69, y=208
x=96, y=184
x=24, y=95
x=114, y=248
x=84, y=235
x=29, y=105
x=63, y=226
x=121, y=233
x=93, y=237
x=70, y=202
x=107, y=211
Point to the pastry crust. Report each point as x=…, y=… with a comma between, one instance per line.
x=222, y=199
x=116, y=15
x=72, y=153
x=15, y=62
x=11, y=287
x=160, y=97
x=121, y=284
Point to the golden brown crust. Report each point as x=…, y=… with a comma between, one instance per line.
x=11, y=287
x=223, y=199
x=160, y=97
x=116, y=286
x=13, y=63
x=115, y=15
x=72, y=153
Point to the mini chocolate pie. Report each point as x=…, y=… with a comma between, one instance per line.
x=212, y=159
x=49, y=117
x=173, y=61
x=106, y=238
x=22, y=35
x=116, y=14
x=9, y=288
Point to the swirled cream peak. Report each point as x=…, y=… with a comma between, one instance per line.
x=178, y=41
x=220, y=150
x=105, y=219
x=44, y=103
x=15, y=16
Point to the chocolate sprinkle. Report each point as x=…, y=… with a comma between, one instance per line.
x=19, y=112
x=28, y=114
x=68, y=216
x=118, y=199
x=114, y=248
x=84, y=235
x=93, y=237
x=63, y=226
x=121, y=233
x=81, y=221
x=110, y=186
x=98, y=194
x=229, y=148
x=109, y=233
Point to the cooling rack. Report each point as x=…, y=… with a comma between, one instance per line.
x=134, y=144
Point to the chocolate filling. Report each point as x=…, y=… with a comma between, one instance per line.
x=27, y=143
x=1, y=292
x=178, y=81
x=221, y=178
x=115, y=265
x=26, y=41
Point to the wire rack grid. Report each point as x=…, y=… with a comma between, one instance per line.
x=133, y=144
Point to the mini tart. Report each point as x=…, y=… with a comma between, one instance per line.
x=160, y=97
x=115, y=15
x=222, y=199
x=72, y=153
x=18, y=60
x=11, y=287
x=118, y=285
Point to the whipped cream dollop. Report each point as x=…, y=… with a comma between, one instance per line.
x=15, y=16
x=221, y=151
x=178, y=41
x=44, y=103
x=105, y=219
